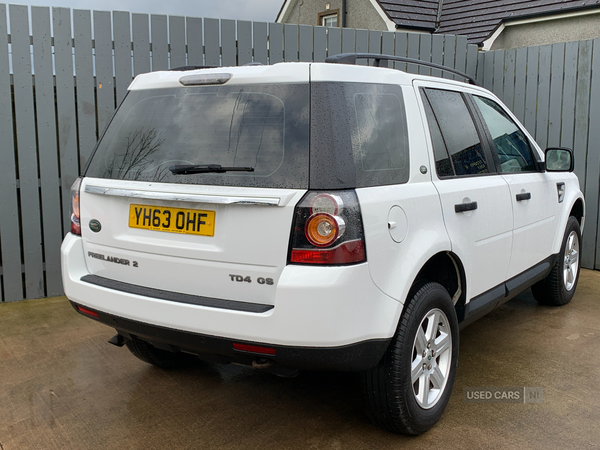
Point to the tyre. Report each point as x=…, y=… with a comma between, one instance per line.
x=409, y=389
x=559, y=286
x=161, y=358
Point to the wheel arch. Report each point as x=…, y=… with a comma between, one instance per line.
x=447, y=269
x=578, y=211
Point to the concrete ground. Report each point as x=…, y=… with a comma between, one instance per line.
x=64, y=387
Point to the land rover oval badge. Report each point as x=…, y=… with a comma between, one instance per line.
x=95, y=225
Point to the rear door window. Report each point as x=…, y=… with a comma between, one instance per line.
x=457, y=145
x=261, y=126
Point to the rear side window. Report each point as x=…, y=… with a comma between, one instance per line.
x=261, y=126
x=454, y=135
x=358, y=135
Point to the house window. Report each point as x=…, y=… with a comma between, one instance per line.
x=329, y=18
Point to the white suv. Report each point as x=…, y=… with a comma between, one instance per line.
x=318, y=216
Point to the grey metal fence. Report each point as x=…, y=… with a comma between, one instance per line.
x=60, y=84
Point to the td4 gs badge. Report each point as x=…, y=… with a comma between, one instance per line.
x=243, y=279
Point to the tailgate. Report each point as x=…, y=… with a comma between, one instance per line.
x=215, y=241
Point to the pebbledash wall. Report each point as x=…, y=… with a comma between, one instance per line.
x=60, y=83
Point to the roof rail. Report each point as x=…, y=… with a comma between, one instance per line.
x=350, y=58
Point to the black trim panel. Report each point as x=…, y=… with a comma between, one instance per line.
x=354, y=357
x=176, y=296
x=484, y=303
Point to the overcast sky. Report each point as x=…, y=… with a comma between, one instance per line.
x=256, y=10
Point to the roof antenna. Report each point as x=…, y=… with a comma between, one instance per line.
x=438, y=19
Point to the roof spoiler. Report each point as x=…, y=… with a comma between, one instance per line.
x=350, y=58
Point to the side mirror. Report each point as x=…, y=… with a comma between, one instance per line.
x=559, y=159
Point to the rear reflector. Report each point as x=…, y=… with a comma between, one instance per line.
x=87, y=312
x=351, y=251
x=254, y=349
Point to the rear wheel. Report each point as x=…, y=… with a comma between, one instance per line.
x=161, y=358
x=558, y=287
x=409, y=389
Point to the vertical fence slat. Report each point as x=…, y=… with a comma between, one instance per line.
x=437, y=53
x=348, y=40
x=260, y=42
x=425, y=47
x=472, y=51
x=400, y=49
x=334, y=41
x=580, y=144
x=362, y=44
x=461, y=53
x=27, y=155
x=195, y=49
x=533, y=54
x=228, y=48
x=177, y=41
x=290, y=38
x=556, y=91
x=244, y=42
x=140, y=28
x=362, y=41
x=593, y=160
x=480, y=67
x=509, y=78
x=65, y=105
x=9, y=217
x=122, y=46
x=582, y=118
x=320, y=42
x=212, y=49
x=275, y=43
x=488, y=70
x=569, y=93
x=306, y=43
x=413, y=51
x=498, y=85
x=47, y=149
x=374, y=41
x=541, y=129
x=387, y=43
x=86, y=98
x=105, y=96
x=160, y=47
x=520, y=80
x=449, y=53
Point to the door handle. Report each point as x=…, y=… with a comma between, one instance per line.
x=462, y=207
x=523, y=196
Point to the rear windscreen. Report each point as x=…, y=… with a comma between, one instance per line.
x=265, y=127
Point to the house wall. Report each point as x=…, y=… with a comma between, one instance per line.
x=360, y=13
x=548, y=32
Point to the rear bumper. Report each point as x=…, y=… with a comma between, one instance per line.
x=354, y=357
x=328, y=315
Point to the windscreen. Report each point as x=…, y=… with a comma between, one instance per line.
x=264, y=127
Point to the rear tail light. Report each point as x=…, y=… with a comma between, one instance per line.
x=327, y=229
x=75, y=218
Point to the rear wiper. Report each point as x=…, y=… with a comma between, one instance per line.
x=189, y=169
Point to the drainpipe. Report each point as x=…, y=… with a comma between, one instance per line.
x=344, y=13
